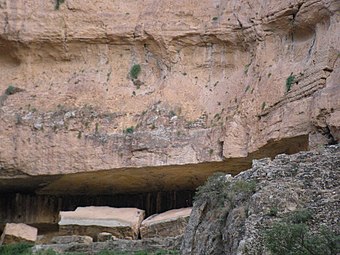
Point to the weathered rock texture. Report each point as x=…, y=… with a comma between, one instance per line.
x=170, y=223
x=15, y=233
x=71, y=239
x=232, y=220
x=147, y=245
x=212, y=86
x=122, y=223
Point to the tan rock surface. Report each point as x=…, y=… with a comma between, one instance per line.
x=104, y=236
x=71, y=239
x=212, y=86
x=16, y=233
x=122, y=223
x=170, y=223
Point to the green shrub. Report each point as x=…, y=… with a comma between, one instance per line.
x=244, y=186
x=299, y=216
x=58, y=3
x=292, y=236
x=218, y=189
x=10, y=90
x=16, y=249
x=129, y=130
x=135, y=70
x=214, y=188
x=289, y=82
x=273, y=211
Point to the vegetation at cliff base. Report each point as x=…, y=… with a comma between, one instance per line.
x=220, y=188
x=214, y=188
x=26, y=249
x=16, y=249
x=293, y=236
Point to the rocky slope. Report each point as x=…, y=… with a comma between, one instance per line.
x=231, y=215
x=220, y=82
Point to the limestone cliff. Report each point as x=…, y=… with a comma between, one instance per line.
x=219, y=81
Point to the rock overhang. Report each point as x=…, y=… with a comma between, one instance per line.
x=144, y=179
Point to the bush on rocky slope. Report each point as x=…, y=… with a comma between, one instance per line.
x=292, y=236
x=267, y=217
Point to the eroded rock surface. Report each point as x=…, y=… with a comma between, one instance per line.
x=146, y=245
x=122, y=223
x=16, y=233
x=219, y=79
x=71, y=239
x=170, y=223
x=232, y=219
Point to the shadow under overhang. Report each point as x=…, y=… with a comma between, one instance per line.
x=146, y=179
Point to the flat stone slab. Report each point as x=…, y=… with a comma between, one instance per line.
x=122, y=223
x=18, y=232
x=168, y=224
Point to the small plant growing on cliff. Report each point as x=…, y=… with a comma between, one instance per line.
x=10, y=90
x=135, y=70
x=58, y=3
x=129, y=130
x=289, y=82
x=292, y=236
x=246, y=68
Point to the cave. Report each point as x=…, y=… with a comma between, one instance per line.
x=42, y=211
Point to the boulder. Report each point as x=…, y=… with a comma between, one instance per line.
x=18, y=232
x=168, y=224
x=104, y=236
x=71, y=239
x=122, y=223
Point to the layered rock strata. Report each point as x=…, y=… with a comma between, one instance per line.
x=218, y=80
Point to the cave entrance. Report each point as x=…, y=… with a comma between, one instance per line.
x=42, y=211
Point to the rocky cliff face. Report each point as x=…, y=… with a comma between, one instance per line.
x=220, y=81
x=231, y=215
